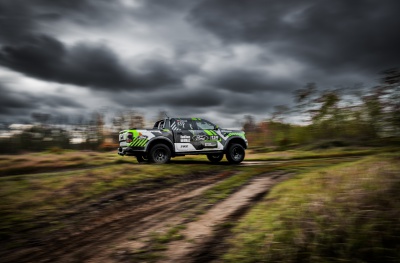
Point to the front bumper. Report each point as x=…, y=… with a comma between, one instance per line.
x=130, y=151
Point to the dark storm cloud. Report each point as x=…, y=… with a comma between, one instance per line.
x=175, y=98
x=97, y=66
x=249, y=81
x=20, y=103
x=20, y=18
x=333, y=35
x=225, y=56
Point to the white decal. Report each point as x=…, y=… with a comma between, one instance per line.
x=181, y=122
x=184, y=147
x=200, y=138
x=185, y=138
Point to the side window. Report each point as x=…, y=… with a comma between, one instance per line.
x=205, y=125
x=182, y=124
x=158, y=125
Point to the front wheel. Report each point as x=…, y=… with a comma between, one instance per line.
x=214, y=158
x=160, y=153
x=235, y=154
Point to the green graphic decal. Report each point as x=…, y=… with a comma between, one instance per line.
x=211, y=132
x=208, y=132
x=241, y=134
x=138, y=142
x=134, y=133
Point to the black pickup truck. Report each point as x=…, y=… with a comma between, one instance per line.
x=173, y=137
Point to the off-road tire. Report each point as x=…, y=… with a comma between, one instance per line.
x=160, y=153
x=215, y=158
x=235, y=153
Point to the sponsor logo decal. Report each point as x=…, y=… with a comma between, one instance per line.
x=185, y=138
x=184, y=146
x=181, y=123
x=197, y=138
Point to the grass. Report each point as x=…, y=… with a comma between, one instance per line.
x=171, y=234
x=44, y=187
x=315, y=154
x=29, y=201
x=48, y=162
x=66, y=160
x=346, y=213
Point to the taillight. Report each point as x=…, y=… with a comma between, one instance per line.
x=129, y=138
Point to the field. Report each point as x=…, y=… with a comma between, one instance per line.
x=334, y=205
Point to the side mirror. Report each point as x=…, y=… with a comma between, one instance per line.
x=216, y=127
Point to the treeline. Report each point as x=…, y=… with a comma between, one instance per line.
x=51, y=133
x=334, y=117
x=329, y=117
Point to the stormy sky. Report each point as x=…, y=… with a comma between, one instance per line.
x=218, y=59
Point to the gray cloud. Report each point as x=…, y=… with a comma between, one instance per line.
x=335, y=35
x=24, y=103
x=176, y=98
x=94, y=66
x=249, y=81
x=228, y=57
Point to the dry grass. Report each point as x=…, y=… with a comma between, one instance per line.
x=347, y=213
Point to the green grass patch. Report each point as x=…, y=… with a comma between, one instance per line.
x=29, y=201
x=346, y=213
x=171, y=234
x=316, y=154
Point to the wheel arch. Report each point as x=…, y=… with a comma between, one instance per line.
x=235, y=139
x=155, y=141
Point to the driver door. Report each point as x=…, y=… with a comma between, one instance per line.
x=206, y=137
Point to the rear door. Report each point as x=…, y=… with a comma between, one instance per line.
x=184, y=130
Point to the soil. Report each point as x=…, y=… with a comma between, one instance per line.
x=149, y=224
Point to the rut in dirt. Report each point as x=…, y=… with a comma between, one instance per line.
x=96, y=225
x=204, y=238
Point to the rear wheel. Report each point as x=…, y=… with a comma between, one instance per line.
x=235, y=154
x=215, y=158
x=160, y=153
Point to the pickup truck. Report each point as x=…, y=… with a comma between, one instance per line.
x=173, y=137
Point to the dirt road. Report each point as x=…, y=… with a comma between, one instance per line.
x=153, y=224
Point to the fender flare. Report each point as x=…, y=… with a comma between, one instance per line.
x=235, y=138
x=160, y=139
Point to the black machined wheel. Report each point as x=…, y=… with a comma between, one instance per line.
x=160, y=153
x=142, y=158
x=215, y=158
x=235, y=154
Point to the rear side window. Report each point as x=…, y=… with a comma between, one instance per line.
x=159, y=125
x=205, y=125
x=182, y=124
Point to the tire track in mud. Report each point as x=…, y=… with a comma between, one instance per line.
x=116, y=217
x=118, y=236
x=204, y=238
x=98, y=228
